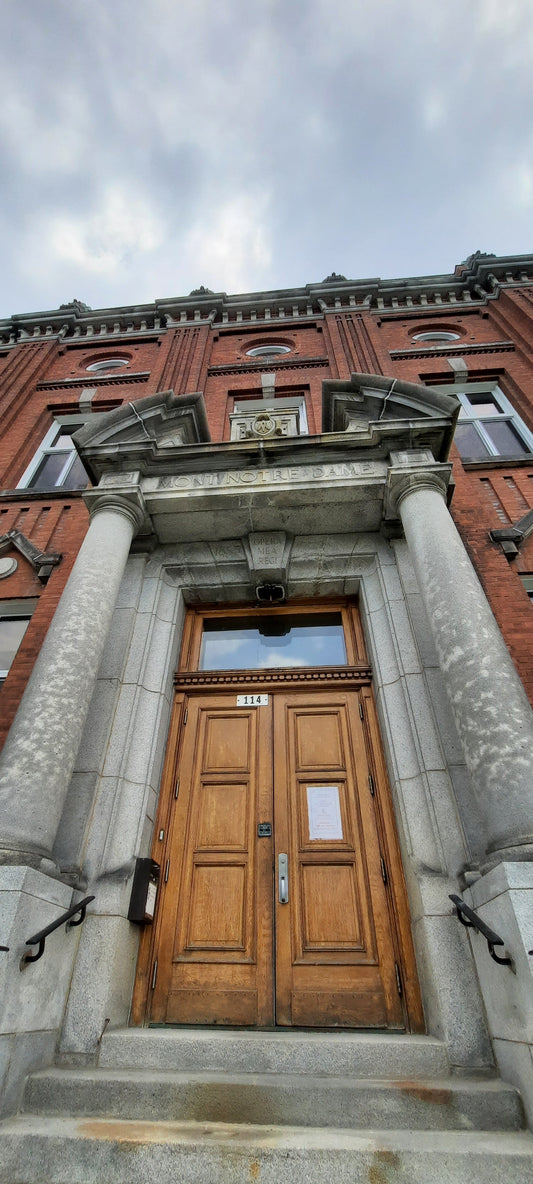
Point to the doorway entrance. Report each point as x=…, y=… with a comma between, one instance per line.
x=282, y=896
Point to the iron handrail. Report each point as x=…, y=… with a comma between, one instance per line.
x=40, y=937
x=470, y=919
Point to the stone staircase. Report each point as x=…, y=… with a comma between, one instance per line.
x=205, y=1106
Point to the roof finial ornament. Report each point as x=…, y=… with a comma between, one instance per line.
x=76, y=306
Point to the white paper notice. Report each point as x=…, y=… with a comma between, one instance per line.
x=324, y=810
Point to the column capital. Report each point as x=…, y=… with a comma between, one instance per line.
x=120, y=493
x=410, y=472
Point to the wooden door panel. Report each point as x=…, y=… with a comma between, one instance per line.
x=330, y=912
x=334, y=964
x=338, y=1009
x=226, y=741
x=215, y=948
x=217, y=915
x=319, y=741
x=301, y=762
x=223, y=822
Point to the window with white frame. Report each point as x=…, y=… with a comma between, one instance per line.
x=56, y=464
x=488, y=425
x=15, y=616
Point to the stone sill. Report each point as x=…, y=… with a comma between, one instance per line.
x=499, y=462
x=40, y=495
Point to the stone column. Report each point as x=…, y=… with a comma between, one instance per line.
x=492, y=713
x=38, y=758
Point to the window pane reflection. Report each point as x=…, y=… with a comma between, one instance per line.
x=264, y=642
x=11, y=634
x=505, y=439
x=469, y=442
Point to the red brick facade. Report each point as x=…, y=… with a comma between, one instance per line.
x=200, y=344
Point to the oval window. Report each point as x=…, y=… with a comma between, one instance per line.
x=108, y=364
x=436, y=335
x=268, y=351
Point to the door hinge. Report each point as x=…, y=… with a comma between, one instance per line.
x=177, y=789
x=167, y=868
x=154, y=975
x=398, y=979
x=361, y=712
x=185, y=715
x=384, y=875
x=371, y=784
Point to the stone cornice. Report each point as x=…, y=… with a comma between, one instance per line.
x=474, y=282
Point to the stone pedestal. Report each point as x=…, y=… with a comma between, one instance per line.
x=503, y=898
x=31, y=1000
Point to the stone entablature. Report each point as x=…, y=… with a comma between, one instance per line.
x=477, y=281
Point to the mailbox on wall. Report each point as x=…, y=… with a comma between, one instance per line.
x=144, y=891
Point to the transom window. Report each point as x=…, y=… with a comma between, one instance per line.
x=56, y=464
x=265, y=642
x=489, y=426
x=15, y=616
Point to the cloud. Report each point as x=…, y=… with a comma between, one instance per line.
x=232, y=247
x=121, y=227
x=147, y=148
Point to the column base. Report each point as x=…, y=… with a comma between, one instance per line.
x=27, y=856
x=519, y=852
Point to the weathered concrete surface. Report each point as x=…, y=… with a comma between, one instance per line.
x=448, y=1103
x=354, y=1053
x=60, y=1151
x=503, y=898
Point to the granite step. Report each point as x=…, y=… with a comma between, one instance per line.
x=47, y=1150
x=279, y=1099
x=390, y=1056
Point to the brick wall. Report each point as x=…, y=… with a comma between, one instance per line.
x=45, y=378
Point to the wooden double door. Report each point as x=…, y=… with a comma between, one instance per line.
x=282, y=898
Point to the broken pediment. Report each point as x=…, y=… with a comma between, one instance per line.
x=368, y=400
x=137, y=432
x=43, y=562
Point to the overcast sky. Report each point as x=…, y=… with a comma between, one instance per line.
x=150, y=146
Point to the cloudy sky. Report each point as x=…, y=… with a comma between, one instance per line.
x=150, y=146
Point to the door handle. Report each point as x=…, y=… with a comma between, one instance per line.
x=283, y=879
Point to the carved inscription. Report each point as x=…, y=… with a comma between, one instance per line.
x=258, y=477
